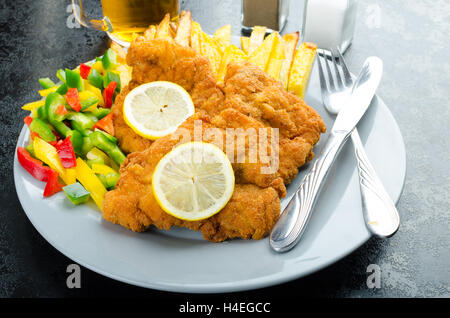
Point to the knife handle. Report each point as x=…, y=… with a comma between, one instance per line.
x=292, y=222
x=380, y=214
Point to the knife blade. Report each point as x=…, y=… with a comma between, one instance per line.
x=291, y=225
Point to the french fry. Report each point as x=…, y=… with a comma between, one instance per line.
x=290, y=44
x=261, y=55
x=173, y=29
x=184, y=28
x=256, y=38
x=196, y=35
x=223, y=36
x=210, y=49
x=301, y=68
x=162, y=30
x=245, y=42
x=231, y=54
x=276, y=58
x=121, y=54
x=150, y=32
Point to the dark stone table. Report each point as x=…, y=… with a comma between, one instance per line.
x=412, y=39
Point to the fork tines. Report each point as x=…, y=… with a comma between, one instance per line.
x=324, y=56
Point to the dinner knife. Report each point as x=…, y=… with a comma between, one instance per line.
x=292, y=222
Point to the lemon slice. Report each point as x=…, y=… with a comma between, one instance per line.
x=194, y=181
x=156, y=109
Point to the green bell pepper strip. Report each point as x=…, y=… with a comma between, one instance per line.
x=111, y=77
x=80, y=121
x=103, y=143
x=97, y=160
x=100, y=112
x=109, y=60
x=87, y=146
x=86, y=103
x=42, y=112
x=30, y=150
x=110, y=137
x=109, y=180
x=74, y=80
x=62, y=90
x=52, y=101
x=46, y=82
x=61, y=75
x=76, y=193
x=41, y=128
x=95, y=78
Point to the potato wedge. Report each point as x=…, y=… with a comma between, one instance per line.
x=301, y=68
x=223, y=36
x=256, y=38
x=150, y=32
x=210, y=49
x=184, y=28
x=231, y=54
x=245, y=42
x=276, y=58
x=261, y=55
x=162, y=30
x=196, y=35
x=121, y=54
x=290, y=44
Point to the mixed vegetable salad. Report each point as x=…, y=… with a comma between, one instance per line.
x=72, y=145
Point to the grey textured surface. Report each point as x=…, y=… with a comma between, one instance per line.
x=412, y=39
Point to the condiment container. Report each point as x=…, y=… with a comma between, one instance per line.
x=269, y=13
x=329, y=23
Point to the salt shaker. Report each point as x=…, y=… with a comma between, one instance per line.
x=329, y=23
x=269, y=13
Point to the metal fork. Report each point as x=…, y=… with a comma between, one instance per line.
x=380, y=214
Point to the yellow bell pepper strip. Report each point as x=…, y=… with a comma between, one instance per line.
x=97, y=93
x=88, y=100
x=98, y=66
x=45, y=92
x=103, y=169
x=48, y=154
x=90, y=182
x=34, y=105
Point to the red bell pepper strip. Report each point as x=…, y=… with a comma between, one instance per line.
x=61, y=110
x=105, y=124
x=53, y=186
x=108, y=94
x=35, y=167
x=84, y=70
x=34, y=134
x=73, y=99
x=66, y=153
x=27, y=120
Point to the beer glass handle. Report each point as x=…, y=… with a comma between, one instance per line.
x=102, y=25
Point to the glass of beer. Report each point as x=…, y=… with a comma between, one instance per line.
x=124, y=19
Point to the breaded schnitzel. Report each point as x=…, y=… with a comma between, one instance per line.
x=248, y=99
x=133, y=205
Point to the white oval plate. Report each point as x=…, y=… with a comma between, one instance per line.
x=180, y=260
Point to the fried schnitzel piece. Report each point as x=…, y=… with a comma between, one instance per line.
x=164, y=60
x=252, y=92
x=133, y=205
